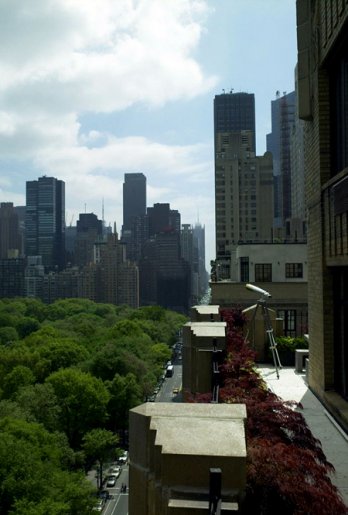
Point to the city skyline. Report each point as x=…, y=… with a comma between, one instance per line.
x=128, y=87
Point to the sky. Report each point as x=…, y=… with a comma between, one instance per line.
x=91, y=90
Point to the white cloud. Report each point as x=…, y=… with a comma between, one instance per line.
x=65, y=56
x=60, y=59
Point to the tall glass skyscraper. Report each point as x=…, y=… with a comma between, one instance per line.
x=45, y=221
x=278, y=142
x=134, y=198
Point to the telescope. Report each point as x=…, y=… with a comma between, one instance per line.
x=252, y=287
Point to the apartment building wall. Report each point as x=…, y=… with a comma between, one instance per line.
x=322, y=29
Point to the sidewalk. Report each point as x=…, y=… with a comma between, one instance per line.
x=292, y=386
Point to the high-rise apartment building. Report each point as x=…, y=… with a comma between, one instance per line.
x=278, y=142
x=116, y=278
x=243, y=181
x=45, y=221
x=243, y=197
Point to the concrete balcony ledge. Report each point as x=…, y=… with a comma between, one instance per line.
x=172, y=449
x=197, y=507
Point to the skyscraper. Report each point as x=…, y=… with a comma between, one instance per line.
x=134, y=198
x=243, y=197
x=161, y=219
x=10, y=241
x=278, y=142
x=235, y=112
x=236, y=178
x=45, y=221
x=134, y=214
x=88, y=231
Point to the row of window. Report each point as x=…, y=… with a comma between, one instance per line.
x=263, y=271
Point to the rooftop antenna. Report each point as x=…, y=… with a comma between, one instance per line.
x=85, y=207
x=103, y=210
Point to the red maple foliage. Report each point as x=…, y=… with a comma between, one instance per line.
x=287, y=471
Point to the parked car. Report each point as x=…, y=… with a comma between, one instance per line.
x=111, y=480
x=99, y=505
x=115, y=471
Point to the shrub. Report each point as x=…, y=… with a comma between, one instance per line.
x=289, y=343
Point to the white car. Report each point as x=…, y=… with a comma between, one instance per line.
x=99, y=505
x=115, y=471
x=111, y=480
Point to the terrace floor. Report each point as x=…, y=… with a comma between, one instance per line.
x=292, y=386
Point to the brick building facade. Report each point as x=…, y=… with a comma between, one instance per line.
x=322, y=33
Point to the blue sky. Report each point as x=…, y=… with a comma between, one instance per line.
x=92, y=90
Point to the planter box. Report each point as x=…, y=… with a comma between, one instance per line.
x=287, y=357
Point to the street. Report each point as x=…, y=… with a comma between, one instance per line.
x=118, y=504
x=166, y=392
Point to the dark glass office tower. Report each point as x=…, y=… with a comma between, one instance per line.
x=45, y=221
x=134, y=214
x=89, y=230
x=279, y=143
x=235, y=112
x=134, y=198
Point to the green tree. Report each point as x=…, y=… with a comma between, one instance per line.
x=41, y=404
x=125, y=394
x=32, y=471
x=82, y=399
x=26, y=326
x=62, y=353
x=8, y=335
x=160, y=353
x=98, y=445
x=20, y=376
x=10, y=408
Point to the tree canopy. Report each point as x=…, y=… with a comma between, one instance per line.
x=69, y=373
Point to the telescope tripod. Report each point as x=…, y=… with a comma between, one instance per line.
x=269, y=330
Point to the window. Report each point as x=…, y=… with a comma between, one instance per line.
x=293, y=270
x=263, y=272
x=244, y=269
x=289, y=321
